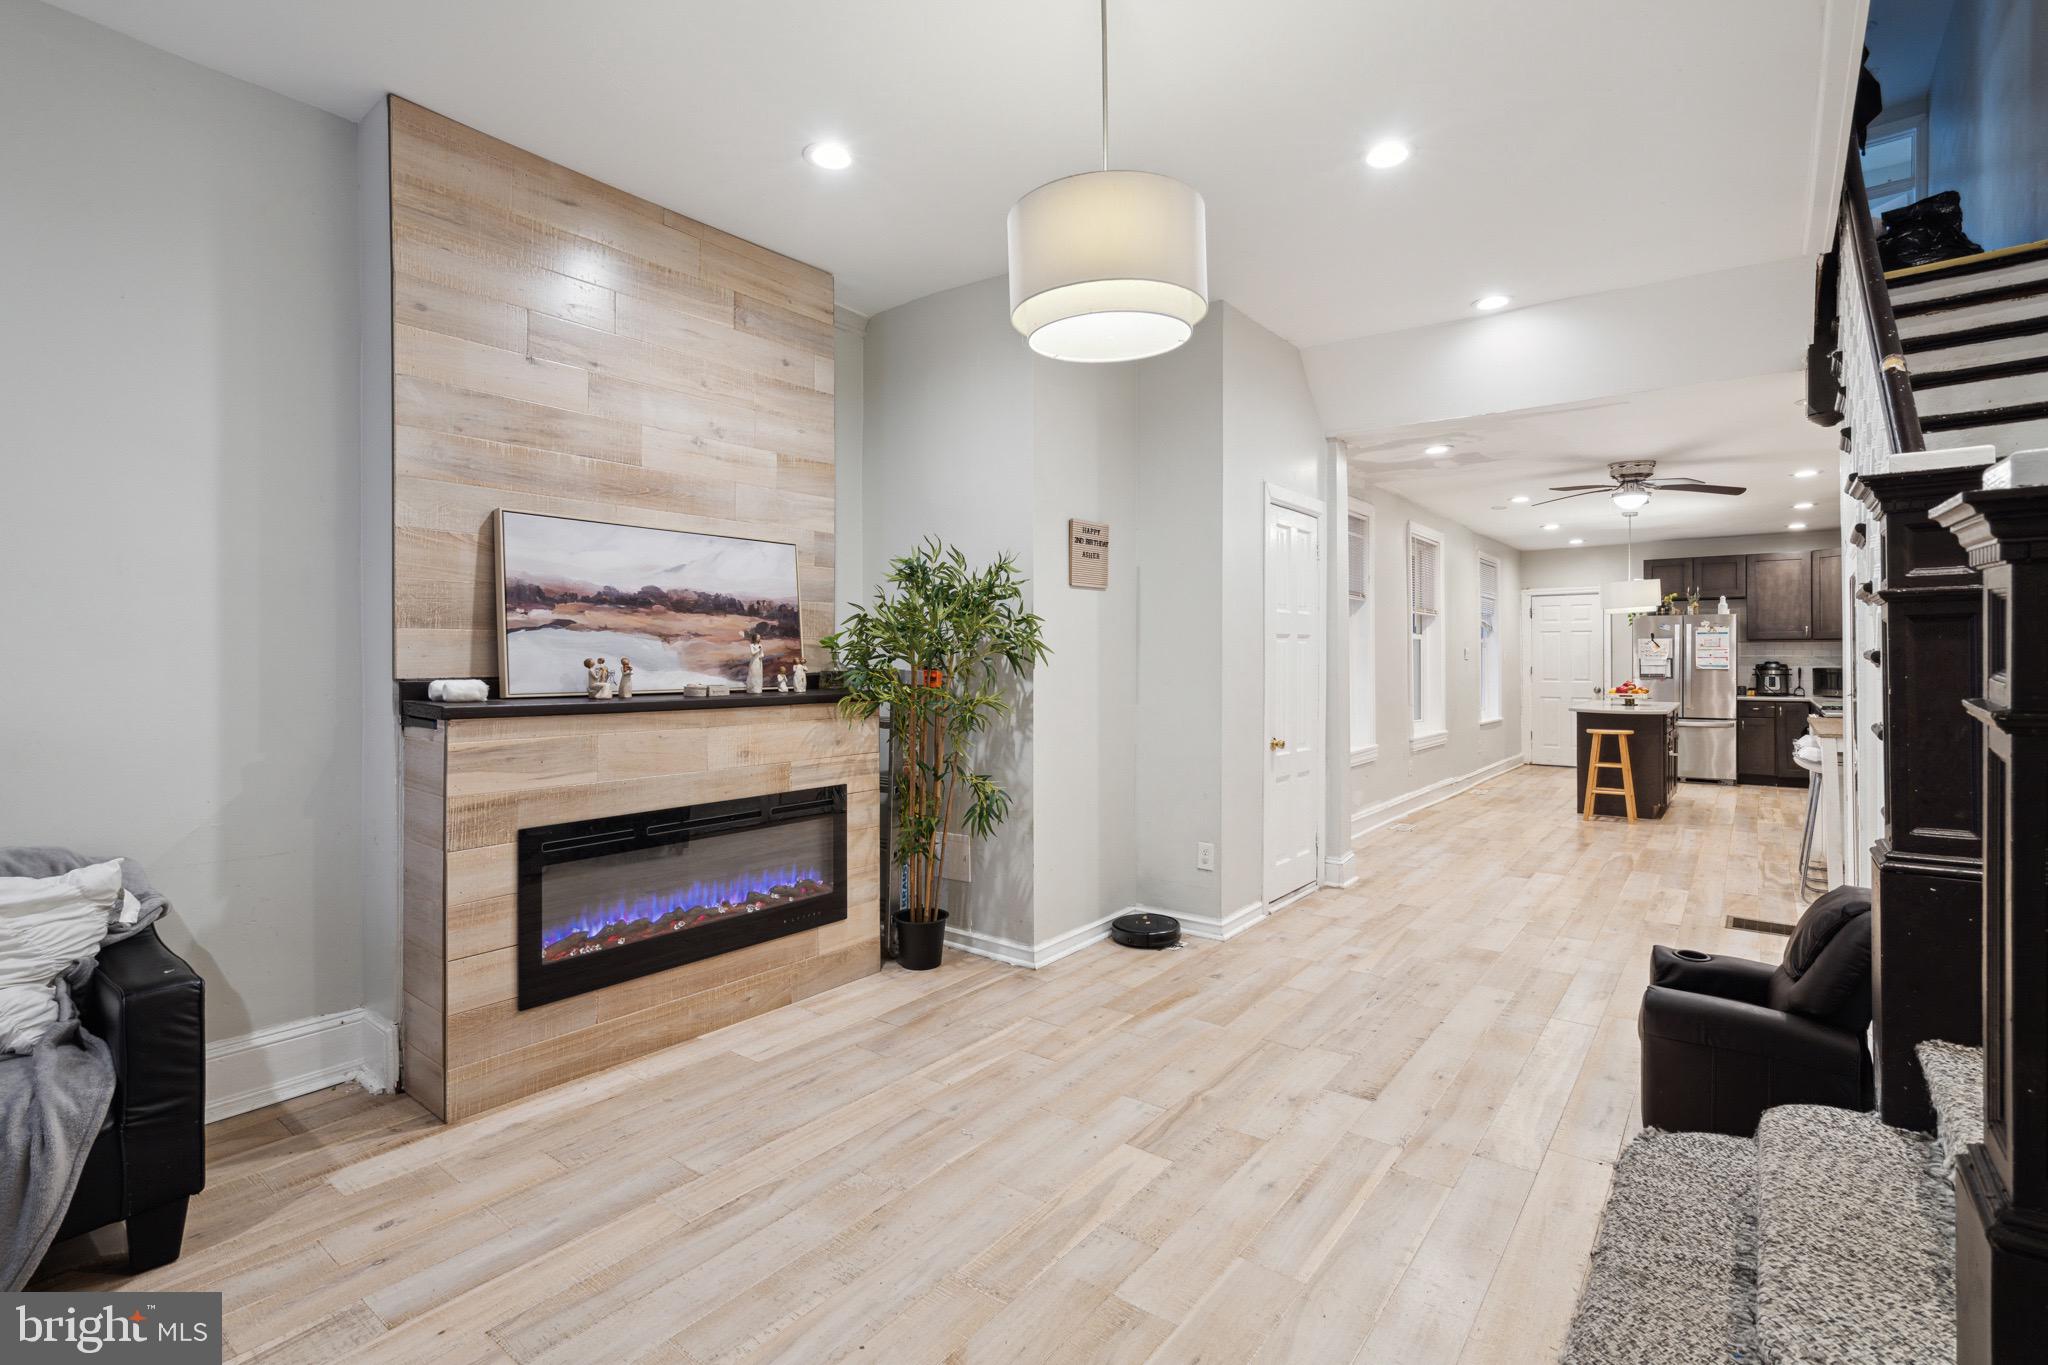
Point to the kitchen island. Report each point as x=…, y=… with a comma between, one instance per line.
x=1652, y=753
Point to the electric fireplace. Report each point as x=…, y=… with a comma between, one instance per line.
x=605, y=901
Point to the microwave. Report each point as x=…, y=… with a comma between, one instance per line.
x=1827, y=682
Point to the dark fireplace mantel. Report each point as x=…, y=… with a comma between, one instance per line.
x=421, y=712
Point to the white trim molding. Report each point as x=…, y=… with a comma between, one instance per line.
x=297, y=1058
x=1366, y=819
x=1341, y=870
x=1033, y=955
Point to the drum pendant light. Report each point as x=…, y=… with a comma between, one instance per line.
x=1108, y=265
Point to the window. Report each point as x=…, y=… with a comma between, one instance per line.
x=1891, y=169
x=1364, y=739
x=1425, y=637
x=1489, y=640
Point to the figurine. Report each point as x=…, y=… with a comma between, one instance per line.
x=625, y=677
x=800, y=676
x=600, y=686
x=753, y=666
x=782, y=680
x=1722, y=606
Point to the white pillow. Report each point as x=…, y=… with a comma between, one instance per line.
x=46, y=925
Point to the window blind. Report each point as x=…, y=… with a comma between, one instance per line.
x=1424, y=558
x=1361, y=556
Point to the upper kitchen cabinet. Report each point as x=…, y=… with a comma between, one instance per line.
x=1710, y=576
x=1827, y=594
x=1781, y=597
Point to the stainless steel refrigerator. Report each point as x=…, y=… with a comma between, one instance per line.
x=1691, y=662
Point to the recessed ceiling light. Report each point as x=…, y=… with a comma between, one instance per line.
x=1802, y=507
x=1795, y=526
x=1438, y=449
x=1805, y=473
x=1550, y=526
x=1519, y=497
x=1575, y=540
x=828, y=156
x=1491, y=303
x=1386, y=154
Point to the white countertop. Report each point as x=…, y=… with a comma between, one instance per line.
x=1609, y=707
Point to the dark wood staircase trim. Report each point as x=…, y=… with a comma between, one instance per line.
x=1972, y=374
x=1952, y=303
x=1971, y=336
x=1984, y=417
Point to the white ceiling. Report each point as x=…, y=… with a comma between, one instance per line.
x=1561, y=148
x=1905, y=40
x=1751, y=433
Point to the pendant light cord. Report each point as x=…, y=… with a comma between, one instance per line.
x=1105, y=83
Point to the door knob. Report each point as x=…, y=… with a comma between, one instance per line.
x=1276, y=744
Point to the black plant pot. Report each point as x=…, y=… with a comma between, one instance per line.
x=919, y=946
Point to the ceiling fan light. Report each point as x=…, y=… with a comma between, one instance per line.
x=1629, y=499
x=1108, y=266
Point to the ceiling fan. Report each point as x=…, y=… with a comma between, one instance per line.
x=1632, y=485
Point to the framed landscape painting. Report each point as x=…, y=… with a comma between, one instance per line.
x=682, y=606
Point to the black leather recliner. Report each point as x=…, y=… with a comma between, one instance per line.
x=1725, y=1039
x=150, y=1157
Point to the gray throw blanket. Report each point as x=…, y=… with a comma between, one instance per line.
x=54, y=1098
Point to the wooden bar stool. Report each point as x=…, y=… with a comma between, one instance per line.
x=1627, y=790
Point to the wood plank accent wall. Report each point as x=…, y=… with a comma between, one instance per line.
x=471, y=785
x=562, y=346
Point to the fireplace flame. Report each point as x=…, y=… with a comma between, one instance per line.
x=591, y=928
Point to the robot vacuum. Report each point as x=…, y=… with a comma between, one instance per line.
x=1145, y=931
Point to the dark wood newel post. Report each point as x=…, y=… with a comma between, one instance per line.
x=1928, y=868
x=2002, y=1184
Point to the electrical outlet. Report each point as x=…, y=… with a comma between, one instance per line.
x=959, y=858
x=1205, y=857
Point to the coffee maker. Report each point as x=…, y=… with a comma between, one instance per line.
x=1772, y=679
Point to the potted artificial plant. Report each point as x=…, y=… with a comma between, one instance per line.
x=935, y=647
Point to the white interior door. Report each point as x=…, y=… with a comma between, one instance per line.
x=1563, y=647
x=1294, y=693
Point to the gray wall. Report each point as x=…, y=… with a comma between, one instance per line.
x=180, y=545
x=1987, y=119
x=947, y=452
x=1398, y=770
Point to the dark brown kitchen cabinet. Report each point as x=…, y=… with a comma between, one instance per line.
x=1780, y=597
x=1756, y=745
x=1711, y=576
x=1765, y=732
x=1827, y=594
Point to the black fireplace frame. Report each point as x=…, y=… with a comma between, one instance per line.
x=544, y=846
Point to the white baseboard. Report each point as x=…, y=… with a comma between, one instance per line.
x=1366, y=819
x=1340, y=871
x=1213, y=927
x=305, y=1055
x=1036, y=955
x=1032, y=955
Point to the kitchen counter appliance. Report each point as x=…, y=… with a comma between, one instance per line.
x=1691, y=661
x=1827, y=682
x=1773, y=679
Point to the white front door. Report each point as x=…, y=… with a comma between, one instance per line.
x=1294, y=693
x=1563, y=649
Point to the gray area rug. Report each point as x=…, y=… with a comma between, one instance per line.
x=1855, y=1241
x=1955, y=1082
x=1673, y=1276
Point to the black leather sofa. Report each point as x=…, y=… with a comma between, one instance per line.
x=1725, y=1039
x=150, y=1156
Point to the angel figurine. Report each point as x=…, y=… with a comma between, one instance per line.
x=799, y=676
x=600, y=685
x=625, y=677
x=754, y=666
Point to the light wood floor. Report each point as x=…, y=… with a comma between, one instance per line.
x=1377, y=1126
